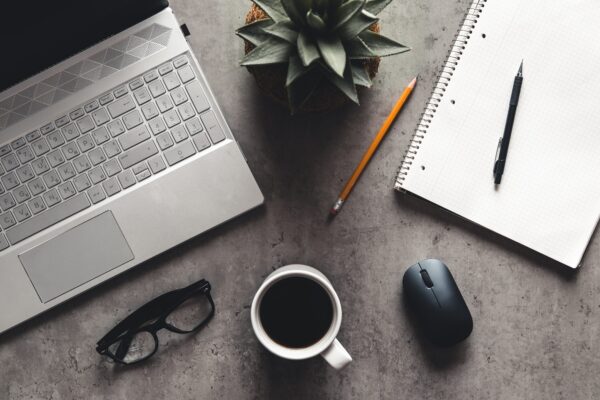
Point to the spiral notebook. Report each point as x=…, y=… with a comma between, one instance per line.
x=549, y=199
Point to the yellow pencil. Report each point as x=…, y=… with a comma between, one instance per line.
x=372, y=148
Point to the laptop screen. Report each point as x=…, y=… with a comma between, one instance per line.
x=35, y=35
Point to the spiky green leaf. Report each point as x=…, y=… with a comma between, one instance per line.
x=347, y=11
x=315, y=22
x=295, y=69
x=355, y=25
x=254, y=32
x=356, y=49
x=301, y=90
x=273, y=9
x=333, y=53
x=360, y=75
x=382, y=46
x=345, y=84
x=296, y=10
x=376, y=6
x=307, y=50
x=283, y=30
x=271, y=51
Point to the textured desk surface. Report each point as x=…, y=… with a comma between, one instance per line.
x=537, y=326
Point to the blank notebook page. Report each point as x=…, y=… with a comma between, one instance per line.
x=549, y=199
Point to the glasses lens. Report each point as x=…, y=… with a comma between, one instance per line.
x=133, y=349
x=191, y=313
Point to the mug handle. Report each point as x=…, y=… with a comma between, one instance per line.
x=336, y=355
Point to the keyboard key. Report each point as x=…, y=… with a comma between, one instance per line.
x=111, y=186
x=164, y=103
x=134, y=137
x=186, y=74
x=10, y=181
x=56, y=139
x=85, y=125
x=157, y=88
x=3, y=242
x=31, y=136
x=112, y=167
x=82, y=182
x=180, y=61
x=96, y=194
x=142, y=96
x=187, y=111
x=55, y=158
x=37, y=205
x=36, y=186
x=171, y=81
x=122, y=91
x=7, y=201
x=116, y=128
x=100, y=116
x=212, y=127
x=143, y=175
x=179, y=153
x=164, y=141
x=132, y=119
x=22, y=212
x=194, y=126
x=48, y=218
x=40, y=147
x=49, y=127
x=112, y=148
x=40, y=165
x=201, y=142
x=66, y=190
x=25, y=173
x=179, y=96
x=157, y=164
x=51, y=197
x=126, y=178
x=51, y=179
x=4, y=150
x=91, y=106
x=136, y=83
x=25, y=154
x=165, y=69
x=66, y=171
x=85, y=143
x=137, y=154
x=139, y=168
x=150, y=76
x=179, y=133
x=121, y=106
x=20, y=142
x=70, y=150
x=76, y=113
x=150, y=111
x=172, y=118
x=157, y=125
x=107, y=98
x=97, y=175
x=21, y=194
x=101, y=135
x=82, y=163
x=7, y=220
x=97, y=156
x=62, y=121
x=197, y=96
x=10, y=162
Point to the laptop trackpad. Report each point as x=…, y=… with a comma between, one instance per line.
x=76, y=256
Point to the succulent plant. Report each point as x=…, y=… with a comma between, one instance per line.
x=320, y=40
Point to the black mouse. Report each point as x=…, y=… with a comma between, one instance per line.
x=436, y=303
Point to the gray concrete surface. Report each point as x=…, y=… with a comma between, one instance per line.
x=536, y=325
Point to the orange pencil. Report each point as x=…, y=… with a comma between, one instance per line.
x=372, y=148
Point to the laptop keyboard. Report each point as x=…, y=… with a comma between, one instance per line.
x=107, y=146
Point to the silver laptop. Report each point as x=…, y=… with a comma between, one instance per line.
x=112, y=148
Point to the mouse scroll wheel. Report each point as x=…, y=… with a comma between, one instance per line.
x=426, y=278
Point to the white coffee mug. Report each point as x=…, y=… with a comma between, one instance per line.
x=328, y=346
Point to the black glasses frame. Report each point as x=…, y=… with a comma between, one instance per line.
x=151, y=318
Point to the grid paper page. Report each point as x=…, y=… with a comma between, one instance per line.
x=549, y=199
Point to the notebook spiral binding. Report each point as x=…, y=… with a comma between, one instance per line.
x=461, y=38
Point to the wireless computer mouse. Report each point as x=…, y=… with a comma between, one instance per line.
x=436, y=303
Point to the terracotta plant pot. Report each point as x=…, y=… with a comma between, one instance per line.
x=271, y=78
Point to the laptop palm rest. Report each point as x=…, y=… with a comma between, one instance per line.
x=76, y=256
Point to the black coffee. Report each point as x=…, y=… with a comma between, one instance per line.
x=296, y=312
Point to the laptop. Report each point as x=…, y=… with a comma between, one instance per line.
x=113, y=148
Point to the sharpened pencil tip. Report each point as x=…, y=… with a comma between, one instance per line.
x=413, y=82
x=520, y=73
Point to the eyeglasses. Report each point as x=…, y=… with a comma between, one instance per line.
x=181, y=311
